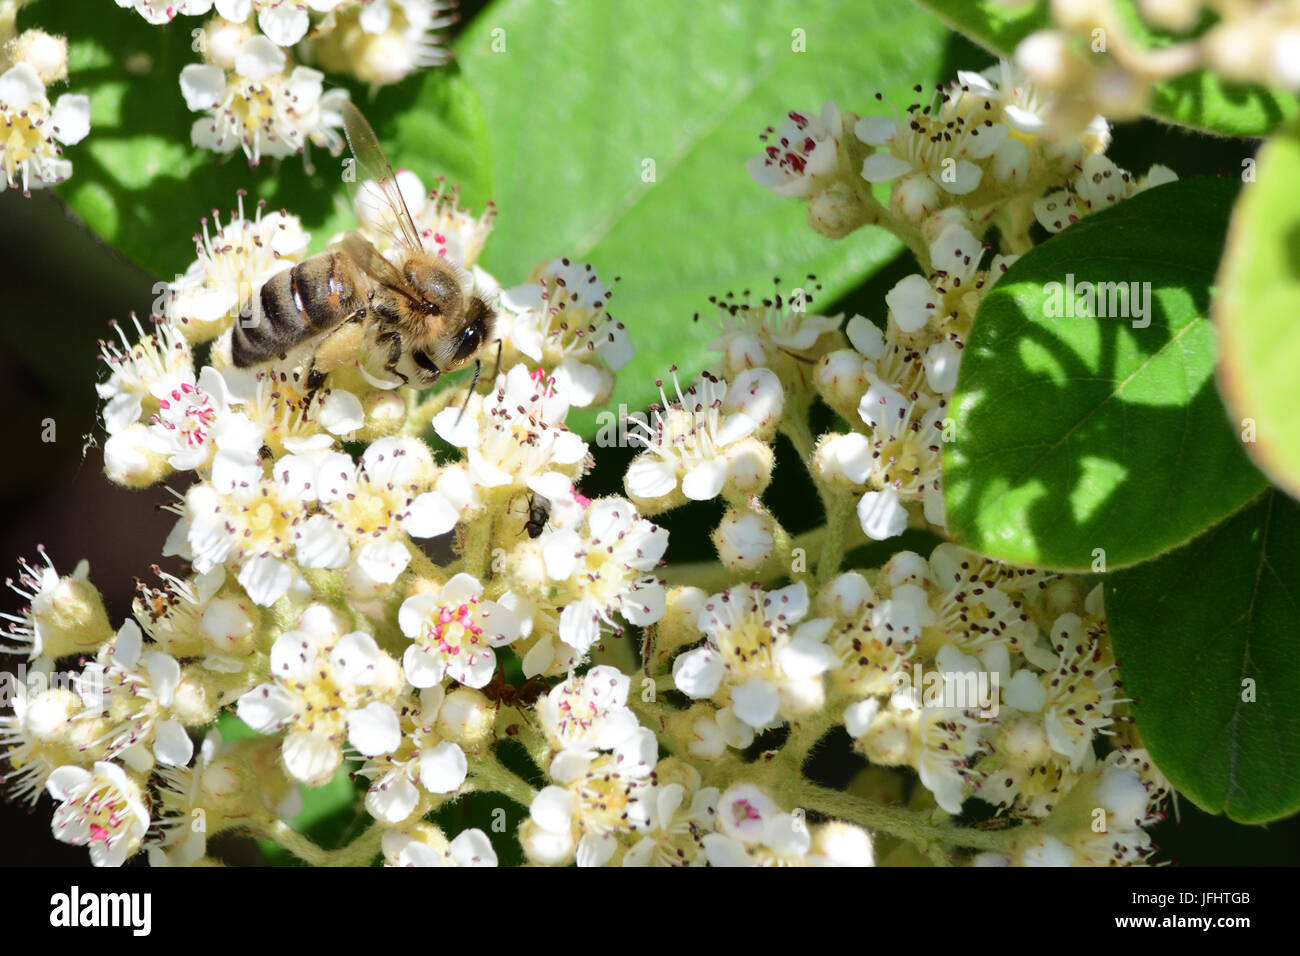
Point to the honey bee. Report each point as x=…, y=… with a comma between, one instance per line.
x=420, y=305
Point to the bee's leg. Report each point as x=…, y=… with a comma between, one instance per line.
x=315, y=377
x=394, y=354
x=422, y=359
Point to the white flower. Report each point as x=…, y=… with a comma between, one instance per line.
x=516, y=437
x=900, y=462
x=260, y=109
x=470, y=848
x=29, y=156
x=601, y=571
x=560, y=322
x=675, y=836
x=384, y=41
x=232, y=263
x=945, y=739
x=366, y=512
x=164, y=11
x=691, y=444
x=598, y=798
x=326, y=687
x=132, y=689
x=778, y=332
x=183, y=793
x=941, y=142
x=1076, y=698
x=454, y=631
x=587, y=714
x=103, y=809
x=801, y=154
x=136, y=370
x=771, y=667
x=40, y=735
x=1099, y=185
x=443, y=226
x=421, y=759
x=64, y=614
x=186, y=427
x=875, y=634
x=753, y=832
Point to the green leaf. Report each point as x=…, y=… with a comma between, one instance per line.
x=139, y=183
x=1256, y=309
x=582, y=94
x=1198, y=99
x=1074, y=434
x=1205, y=640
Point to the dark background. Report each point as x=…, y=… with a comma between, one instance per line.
x=60, y=287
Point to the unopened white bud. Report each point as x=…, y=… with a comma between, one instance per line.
x=843, y=460
x=47, y=55
x=836, y=211
x=744, y=540
x=914, y=197
x=466, y=718
x=545, y=847
x=888, y=741
x=129, y=460
x=757, y=392
x=196, y=700
x=842, y=374
x=844, y=844
x=227, y=627
x=749, y=466
x=220, y=40
x=1011, y=161
x=1046, y=59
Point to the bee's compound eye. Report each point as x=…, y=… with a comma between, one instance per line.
x=469, y=340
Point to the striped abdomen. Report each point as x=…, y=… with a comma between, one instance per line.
x=294, y=305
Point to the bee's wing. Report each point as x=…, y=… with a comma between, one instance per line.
x=372, y=262
x=385, y=200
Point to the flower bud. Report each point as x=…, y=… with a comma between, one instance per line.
x=196, y=700
x=843, y=460
x=385, y=413
x=466, y=718
x=544, y=847
x=749, y=466
x=227, y=626
x=220, y=40
x=888, y=740
x=129, y=460
x=843, y=844
x=914, y=197
x=744, y=539
x=836, y=211
x=1047, y=60
x=67, y=615
x=757, y=392
x=47, y=55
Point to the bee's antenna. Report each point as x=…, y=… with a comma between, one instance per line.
x=478, y=367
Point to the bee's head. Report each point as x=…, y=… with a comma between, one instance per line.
x=476, y=331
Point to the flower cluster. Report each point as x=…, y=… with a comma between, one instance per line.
x=35, y=131
x=377, y=41
x=250, y=91
x=410, y=584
